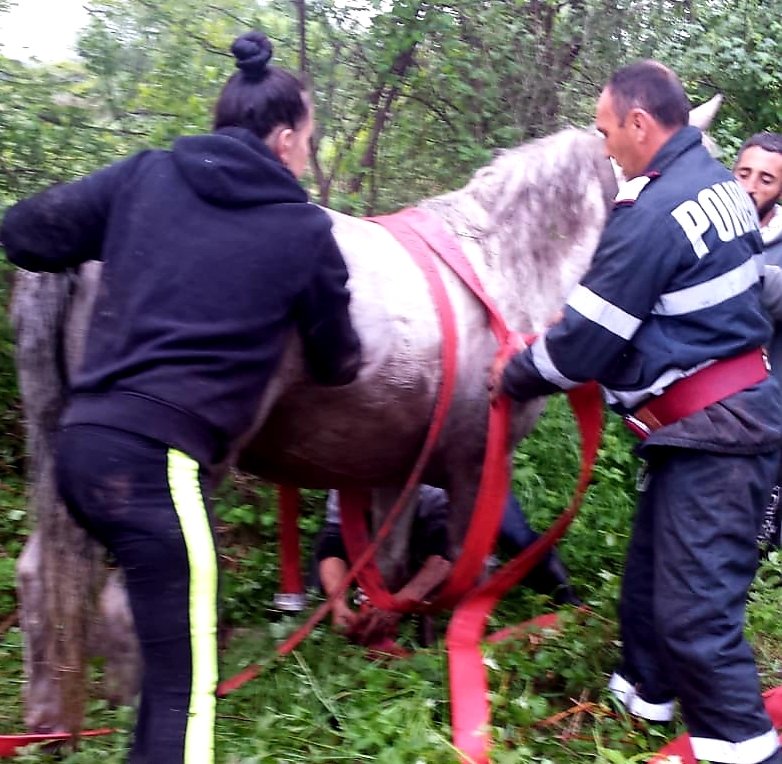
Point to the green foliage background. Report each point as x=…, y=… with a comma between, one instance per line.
x=411, y=98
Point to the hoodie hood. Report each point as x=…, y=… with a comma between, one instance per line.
x=234, y=168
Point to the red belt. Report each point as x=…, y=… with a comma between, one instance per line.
x=711, y=384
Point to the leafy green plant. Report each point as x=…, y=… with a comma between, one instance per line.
x=328, y=703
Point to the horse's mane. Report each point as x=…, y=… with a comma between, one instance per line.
x=540, y=185
x=535, y=213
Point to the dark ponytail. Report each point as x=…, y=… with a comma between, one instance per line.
x=259, y=96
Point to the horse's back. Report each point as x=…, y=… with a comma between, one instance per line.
x=369, y=430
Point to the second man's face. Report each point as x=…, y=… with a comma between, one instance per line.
x=760, y=174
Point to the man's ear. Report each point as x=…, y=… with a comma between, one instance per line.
x=638, y=120
x=643, y=124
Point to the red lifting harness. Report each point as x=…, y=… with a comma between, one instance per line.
x=291, y=597
x=470, y=711
x=422, y=235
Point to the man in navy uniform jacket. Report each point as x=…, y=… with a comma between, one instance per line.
x=668, y=319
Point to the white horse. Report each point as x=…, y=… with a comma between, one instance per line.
x=528, y=222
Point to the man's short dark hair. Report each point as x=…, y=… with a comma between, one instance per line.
x=767, y=141
x=650, y=86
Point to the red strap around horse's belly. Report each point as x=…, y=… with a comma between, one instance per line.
x=424, y=237
x=291, y=583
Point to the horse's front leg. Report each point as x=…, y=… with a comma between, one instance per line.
x=41, y=691
x=393, y=555
x=113, y=637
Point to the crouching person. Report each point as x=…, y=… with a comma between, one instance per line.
x=430, y=559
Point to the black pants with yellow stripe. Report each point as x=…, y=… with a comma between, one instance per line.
x=147, y=504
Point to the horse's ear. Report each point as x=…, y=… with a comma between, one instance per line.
x=703, y=115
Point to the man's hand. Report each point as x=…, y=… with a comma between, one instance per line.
x=343, y=619
x=372, y=625
x=332, y=571
x=514, y=344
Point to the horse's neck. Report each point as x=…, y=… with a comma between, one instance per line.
x=526, y=290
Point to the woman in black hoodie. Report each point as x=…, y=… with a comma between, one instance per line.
x=211, y=256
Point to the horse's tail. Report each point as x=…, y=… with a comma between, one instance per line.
x=68, y=570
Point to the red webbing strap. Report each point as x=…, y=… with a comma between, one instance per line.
x=486, y=520
x=470, y=715
x=353, y=504
x=288, y=514
x=11, y=745
x=711, y=384
x=353, y=507
x=681, y=745
x=421, y=235
x=493, y=487
x=447, y=248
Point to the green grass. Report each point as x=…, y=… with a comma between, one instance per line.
x=327, y=703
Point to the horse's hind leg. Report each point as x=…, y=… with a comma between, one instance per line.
x=112, y=637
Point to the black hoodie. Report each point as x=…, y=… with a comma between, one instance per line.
x=212, y=254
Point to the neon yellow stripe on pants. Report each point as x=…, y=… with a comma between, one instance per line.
x=194, y=522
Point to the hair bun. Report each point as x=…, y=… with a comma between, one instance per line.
x=252, y=52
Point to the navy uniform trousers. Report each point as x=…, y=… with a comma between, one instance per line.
x=147, y=504
x=691, y=560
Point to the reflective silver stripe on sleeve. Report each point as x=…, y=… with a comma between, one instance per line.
x=760, y=262
x=708, y=293
x=603, y=313
x=751, y=751
x=546, y=367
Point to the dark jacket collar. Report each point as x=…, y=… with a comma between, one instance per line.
x=679, y=143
